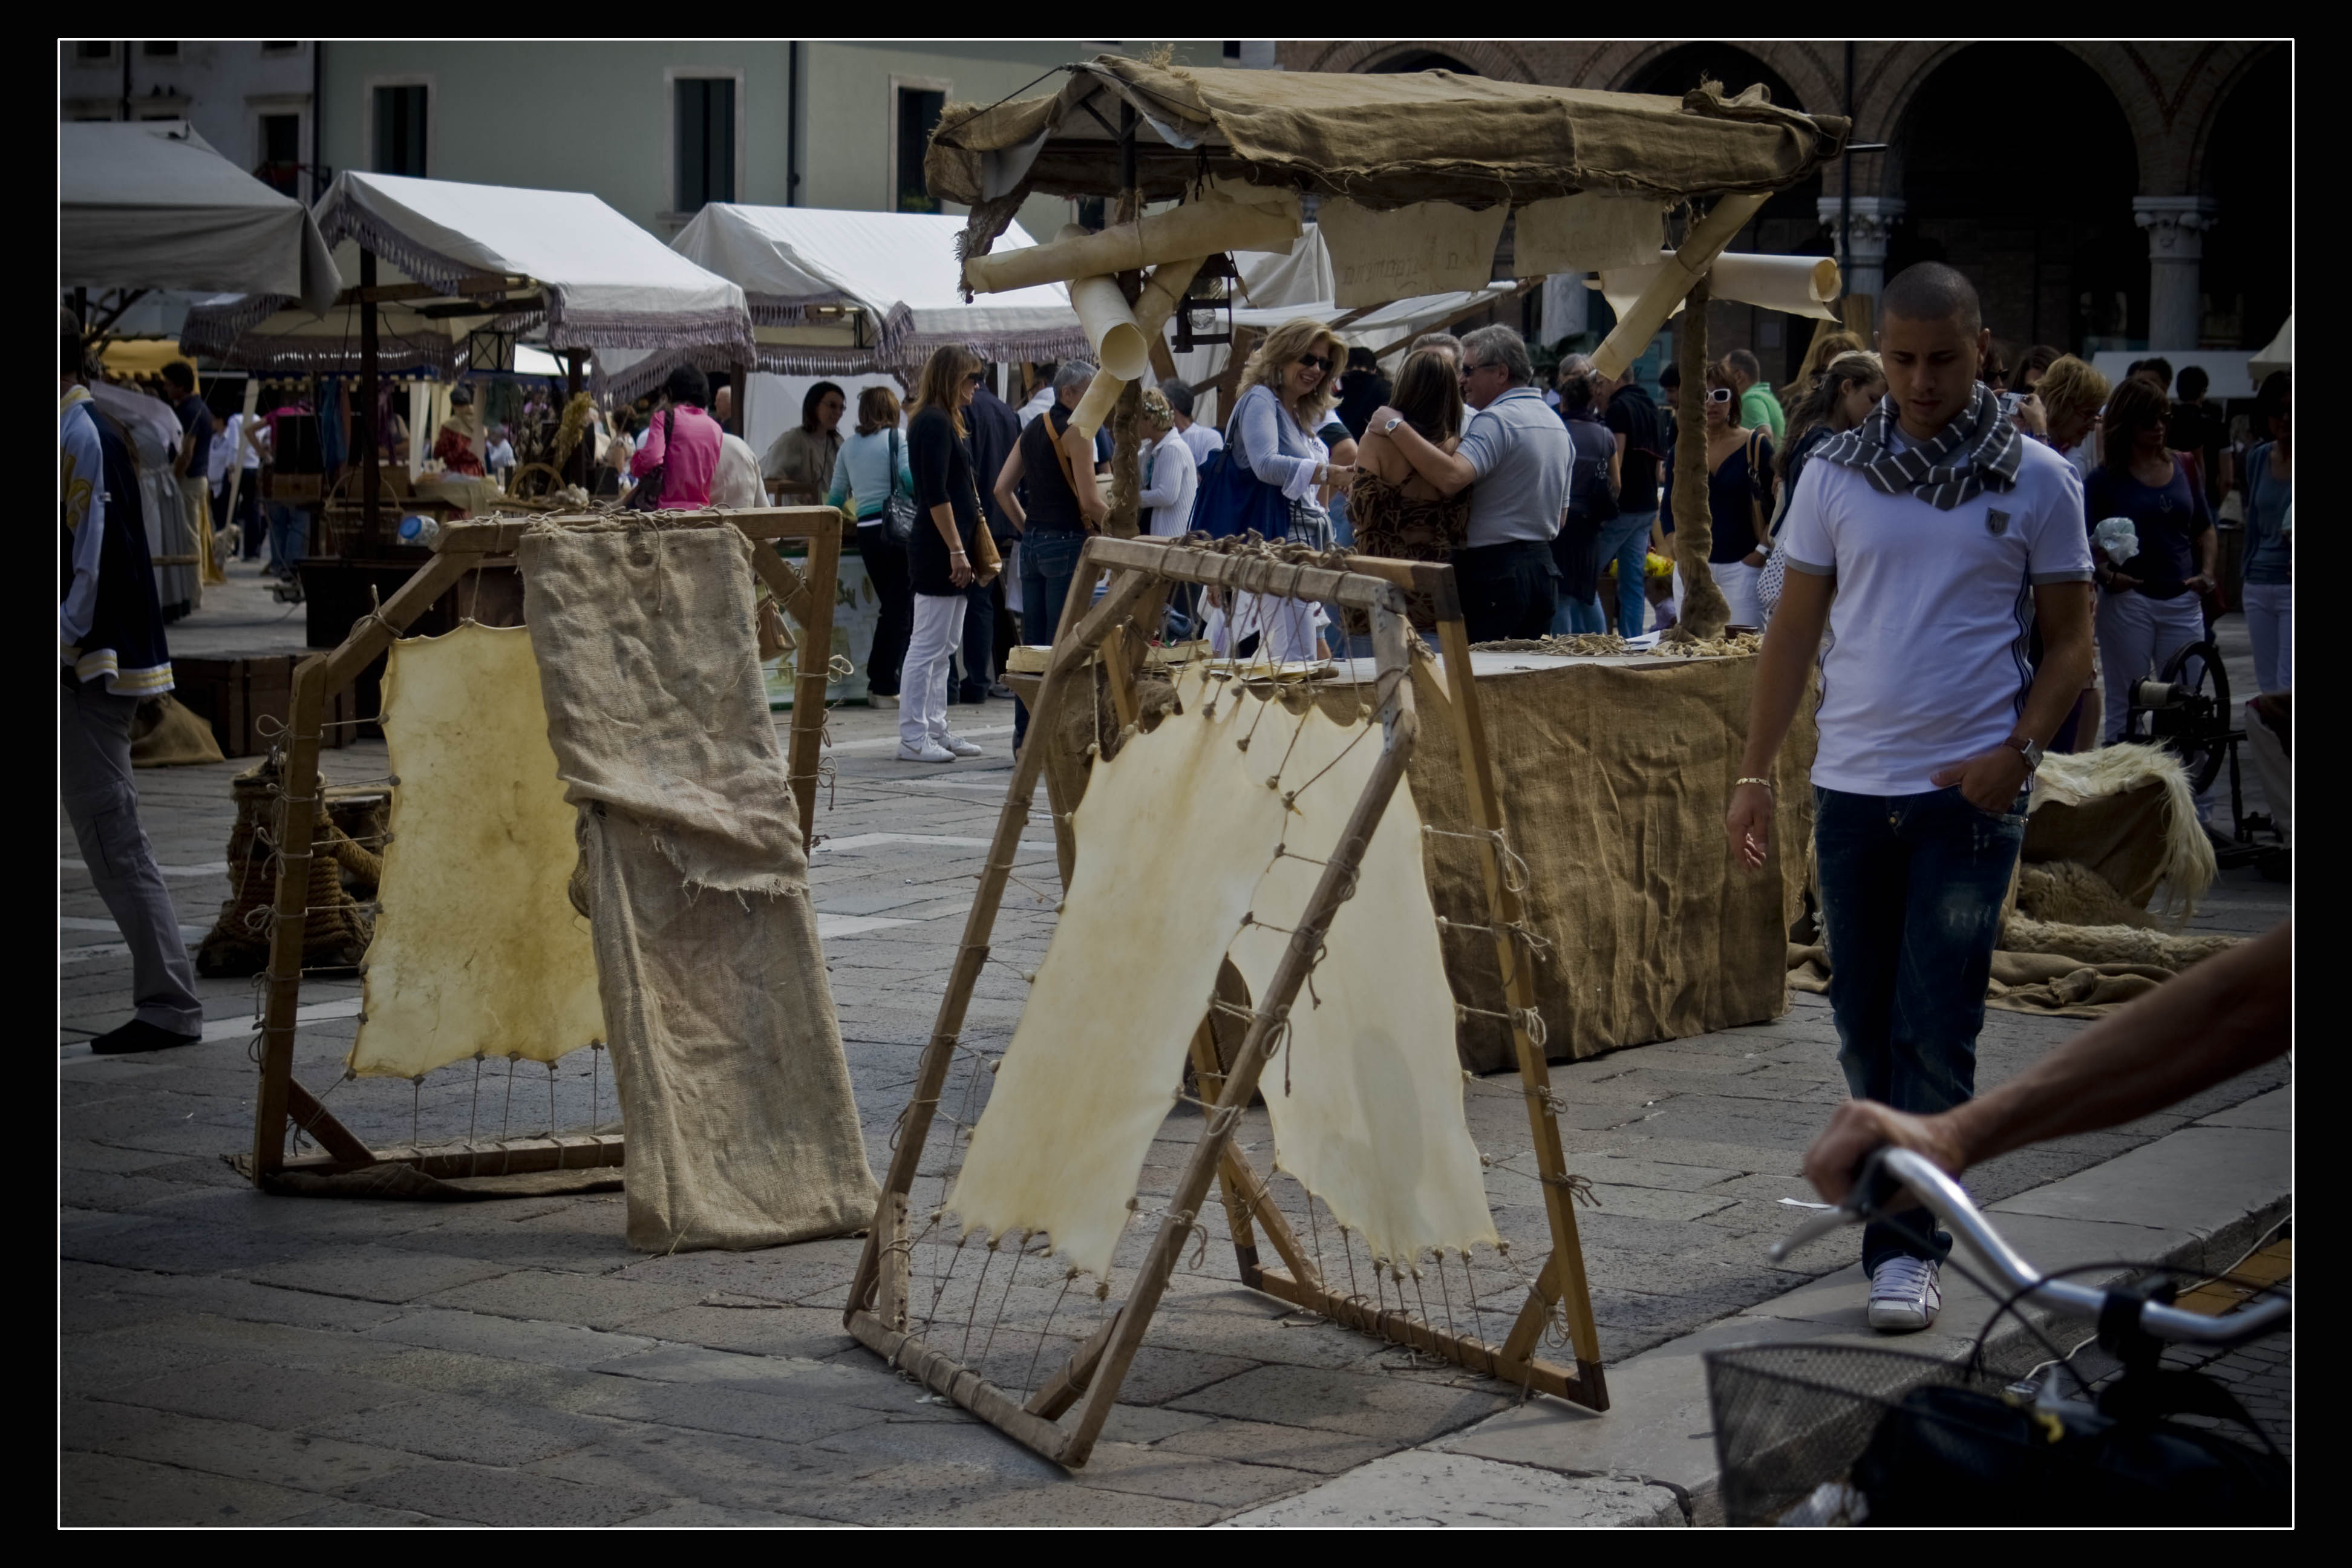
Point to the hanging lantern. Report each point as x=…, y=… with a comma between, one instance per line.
x=1206, y=313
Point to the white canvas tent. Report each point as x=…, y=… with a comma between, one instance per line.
x=835, y=293
x=149, y=204
x=492, y=259
x=2277, y=355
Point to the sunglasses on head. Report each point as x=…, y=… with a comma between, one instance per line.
x=1719, y=394
x=1318, y=361
x=975, y=378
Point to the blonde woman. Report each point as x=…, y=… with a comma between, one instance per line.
x=940, y=556
x=1166, y=498
x=1288, y=387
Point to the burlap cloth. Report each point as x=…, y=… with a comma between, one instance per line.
x=742, y=1130
x=1614, y=776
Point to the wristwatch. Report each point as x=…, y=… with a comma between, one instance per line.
x=1390, y=427
x=2027, y=747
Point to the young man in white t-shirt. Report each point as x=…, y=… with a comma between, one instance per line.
x=1928, y=540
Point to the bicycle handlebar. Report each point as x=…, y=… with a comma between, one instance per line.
x=1953, y=1207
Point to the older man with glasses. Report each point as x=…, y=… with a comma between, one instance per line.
x=1518, y=454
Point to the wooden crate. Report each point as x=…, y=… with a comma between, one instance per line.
x=236, y=693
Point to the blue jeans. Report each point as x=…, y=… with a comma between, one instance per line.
x=1625, y=539
x=1911, y=893
x=1049, y=560
x=1573, y=617
x=290, y=537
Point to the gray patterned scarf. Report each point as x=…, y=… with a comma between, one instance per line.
x=1977, y=451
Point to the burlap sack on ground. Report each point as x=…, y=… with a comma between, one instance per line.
x=2072, y=970
x=742, y=1130
x=1614, y=776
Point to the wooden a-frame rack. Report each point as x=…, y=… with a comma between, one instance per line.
x=1141, y=573
x=462, y=547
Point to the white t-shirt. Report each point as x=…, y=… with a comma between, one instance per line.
x=1206, y=440
x=1926, y=661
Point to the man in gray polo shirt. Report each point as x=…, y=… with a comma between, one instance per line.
x=1518, y=453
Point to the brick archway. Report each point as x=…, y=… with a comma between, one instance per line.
x=1498, y=60
x=2207, y=94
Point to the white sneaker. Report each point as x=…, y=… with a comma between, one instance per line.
x=1904, y=1296
x=926, y=752
x=877, y=700
x=959, y=746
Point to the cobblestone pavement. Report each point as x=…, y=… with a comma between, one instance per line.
x=232, y=1358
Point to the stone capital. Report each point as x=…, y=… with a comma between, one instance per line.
x=2176, y=226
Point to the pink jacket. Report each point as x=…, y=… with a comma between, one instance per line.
x=690, y=462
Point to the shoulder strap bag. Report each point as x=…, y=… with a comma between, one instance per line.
x=899, y=509
x=1233, y=500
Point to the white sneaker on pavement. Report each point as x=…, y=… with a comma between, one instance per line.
x=877, y=700
x=926, y=752
x=1905, y=1295
x=959, y=746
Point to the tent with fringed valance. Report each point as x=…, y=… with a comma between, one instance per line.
x=844, y=292
x=462, y=270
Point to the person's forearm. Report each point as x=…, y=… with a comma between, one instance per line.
x=1449, y=471
x=2057, y=684
x=1013, y=509
x=2232, y=1012
x=1781, y=671
x=943, y=519
x=2207, y=549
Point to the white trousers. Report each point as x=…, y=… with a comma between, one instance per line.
x=1738, y=580
x=2137, y=636
x=923, y=677
x=2269, y=621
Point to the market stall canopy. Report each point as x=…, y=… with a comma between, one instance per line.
x=1278, y=287
x=2277, y=356
x=149, y=204
x=460, y=260
x=1379, y=141
x=840, y=293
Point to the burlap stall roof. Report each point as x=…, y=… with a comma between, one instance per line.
x=1381, y=140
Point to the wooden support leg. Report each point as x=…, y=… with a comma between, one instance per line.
x=298, y=811
x=1505, y=913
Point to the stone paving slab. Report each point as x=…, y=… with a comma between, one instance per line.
x=228, y=1357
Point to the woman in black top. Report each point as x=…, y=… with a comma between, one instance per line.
x=939, y=554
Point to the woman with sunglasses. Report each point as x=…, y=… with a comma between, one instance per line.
x=1289, y=385
x=1738, y=496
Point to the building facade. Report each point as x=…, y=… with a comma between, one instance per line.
x=2121, y=195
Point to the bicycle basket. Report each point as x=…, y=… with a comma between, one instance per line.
x=1790, y=1421
x=1818, y=1435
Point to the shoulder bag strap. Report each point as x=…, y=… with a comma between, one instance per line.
x=1061, y=453
x=894, y=461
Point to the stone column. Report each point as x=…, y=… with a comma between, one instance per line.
x=1873, y=224
x=2176, y=250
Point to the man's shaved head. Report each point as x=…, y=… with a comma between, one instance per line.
x=1931, y=292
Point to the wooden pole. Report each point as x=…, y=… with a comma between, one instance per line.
x=1704, y=612
x=1505, y=911
x=813, y=673
x=372, y=481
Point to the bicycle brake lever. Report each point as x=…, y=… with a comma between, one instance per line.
x=1814, y=1228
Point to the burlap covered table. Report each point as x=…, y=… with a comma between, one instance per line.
x=1614, y=774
